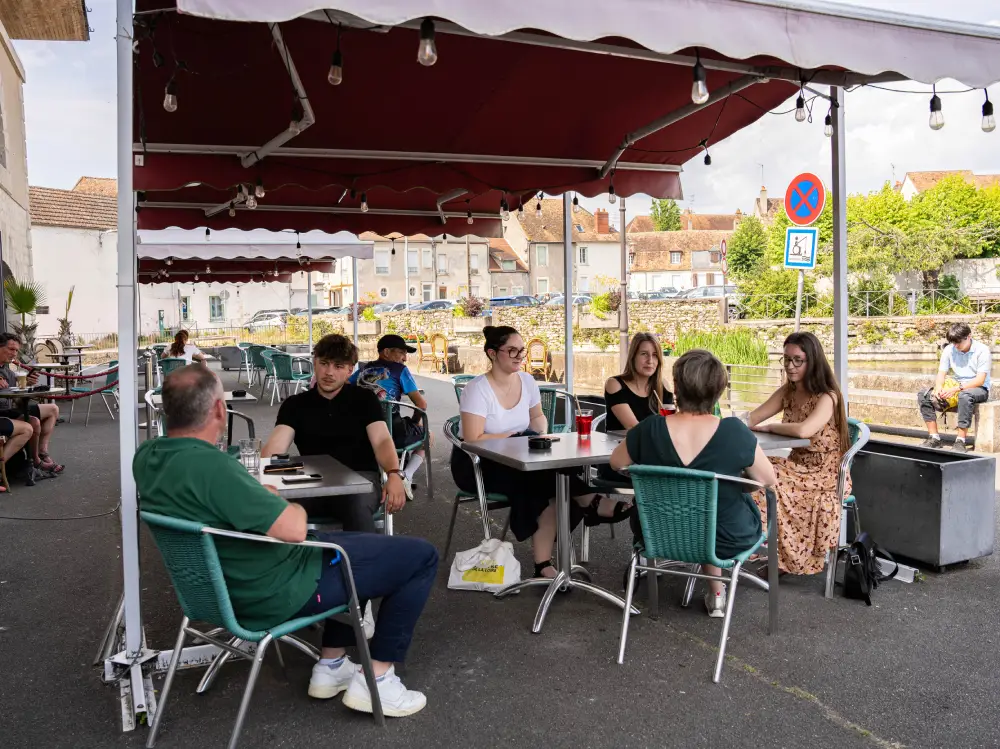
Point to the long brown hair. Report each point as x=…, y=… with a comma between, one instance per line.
x=655, y=384
x=819, y=379
x=177, y=347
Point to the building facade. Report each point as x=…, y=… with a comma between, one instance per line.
x=675, y=259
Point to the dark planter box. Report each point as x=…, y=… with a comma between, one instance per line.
x=933, y=506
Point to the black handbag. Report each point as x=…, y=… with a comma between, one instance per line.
x=862, y=573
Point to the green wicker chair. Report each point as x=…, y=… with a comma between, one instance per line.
x=860, y=434
x=110, y=379
x=488, y=501
x=192, y=560
x=244, y=347
x=551, y=395
x=170, y=363
x=266, y=356
x=257, y=365
x=677, y=510
x=460, y=381
x=284, y=375
x=159, y=348
x=425, y=444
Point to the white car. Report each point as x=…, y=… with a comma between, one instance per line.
x=273, y=321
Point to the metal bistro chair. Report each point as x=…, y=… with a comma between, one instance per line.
x=257, y=365
x=404, y=452
x=231, y=449
x=284, y=376
x=460, y=381
x=551, y=395
x=171, y=363
x=192, y=560
x=487, y=501
x=111, y=378
x=266, y=356
x=860, y=434
x=677, y=510
x=244, y=347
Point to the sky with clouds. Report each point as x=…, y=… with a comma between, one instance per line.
x=70, y=113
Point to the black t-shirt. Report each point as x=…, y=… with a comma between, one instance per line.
x=638, y=403
x=336, y=426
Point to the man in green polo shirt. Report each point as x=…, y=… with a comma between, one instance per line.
x=186, y=476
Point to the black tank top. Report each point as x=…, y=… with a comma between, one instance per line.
x=638, y=403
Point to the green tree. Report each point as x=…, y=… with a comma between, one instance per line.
x=666, y=215
x=747, y=248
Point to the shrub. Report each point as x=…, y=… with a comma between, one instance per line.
x=368, y=314
x=603, y=340
x=470, y=306
x=771, y=294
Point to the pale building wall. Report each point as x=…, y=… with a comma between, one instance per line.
x=429, y=273
x=14, y=219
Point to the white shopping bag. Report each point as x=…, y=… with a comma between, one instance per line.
x=490, y=566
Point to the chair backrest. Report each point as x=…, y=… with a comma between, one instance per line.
x=244, y=344
x=170, y=363
x=257, y=355
x=677, y=510
x=282, y=365
x=551, y=395
x=439, y=346
x=192, y=562
x=859, y=434
x=459, y=381
x=451, y=427
x=537, y=356
x=112, y=377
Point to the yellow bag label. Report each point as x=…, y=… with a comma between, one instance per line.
x=491, y=574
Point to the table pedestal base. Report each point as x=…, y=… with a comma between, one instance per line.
x=564, y=580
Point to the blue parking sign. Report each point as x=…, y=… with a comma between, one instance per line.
x=800, y=247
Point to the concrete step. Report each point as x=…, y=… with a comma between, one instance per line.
x=908, y=382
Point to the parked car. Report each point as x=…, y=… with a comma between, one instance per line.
x=264, y=313
x=385, y=307
x=658, y=296
x=272, y=321
x=521, y=300
x=715, y=292
x=433, y=305
x=559, y=300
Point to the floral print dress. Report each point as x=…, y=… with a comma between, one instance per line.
x=808, y=507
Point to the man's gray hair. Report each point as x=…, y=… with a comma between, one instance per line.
x=188, y=395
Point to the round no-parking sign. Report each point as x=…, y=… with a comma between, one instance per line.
x=804, y=199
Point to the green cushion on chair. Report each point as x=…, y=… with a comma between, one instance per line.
x=490, y=496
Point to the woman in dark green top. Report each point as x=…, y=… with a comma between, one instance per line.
x=694, y=438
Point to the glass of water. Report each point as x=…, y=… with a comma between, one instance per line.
x=250, y=454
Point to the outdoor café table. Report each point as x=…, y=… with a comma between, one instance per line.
x=229, y=398
x=48, y=368
x=771, y=444
x=567, y=454
x=337, y=479
x=67, y=353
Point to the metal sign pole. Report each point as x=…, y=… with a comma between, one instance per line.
x=568, y=285
x=798, y=300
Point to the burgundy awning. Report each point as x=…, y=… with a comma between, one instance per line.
x=226, y=270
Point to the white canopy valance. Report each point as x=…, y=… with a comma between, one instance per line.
x=233, y=244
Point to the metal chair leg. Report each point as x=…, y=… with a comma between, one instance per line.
x=107, y=405
x=653, y=585
x=585, y=545
x=90, y=402
x=366, y=662
x=214, y=667
x=689, y=587
x=451, y=526
x=387, y=524
x=832, y=557
x=627, y=611
x=72, y=408
x=165, y=693
x=730, y=605
x=248, y=692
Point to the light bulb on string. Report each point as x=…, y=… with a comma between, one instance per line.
x=936, y=120
x=251, y=202
x=169, y=261
x=612, y=198
x=259, y=189
x=336, y=74
x=504, y=209
x=538, y=209
x=800, y=108
x=297, y=114
x=989, y=120
x=208, y=234
x=699, y=88
x=576, y=204
x=364, y=202
x=468, y=217
x=170, y=96
x=520, y=212
x=828, y=126
x=196, y=278
x=427, y=52
x=232, y=209
x=208, y=268
x=708, y=158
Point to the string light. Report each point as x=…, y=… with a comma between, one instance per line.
x=612, y=198
x=504, y=209
x=828, y=125
x=251, y=202
x=297, y=114
x=364, y=202
x=936, y=120
x=208, y=268
x=336, y=75
x=576, y=204
x=170, y=96
x=538, y=209
x=244, y=191
x=520, y=212
x=196, y=277
x=232, y=209
x=468, y=216
x=800, y=107
x=699, y=89
x=208, y=234
x=427, y=51
x=259, y=189
x=989, y=121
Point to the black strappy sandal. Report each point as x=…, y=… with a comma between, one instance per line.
x=593, y=517
x=539, y=566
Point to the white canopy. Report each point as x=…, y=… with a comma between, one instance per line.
x=233, y=244
x=805, y=34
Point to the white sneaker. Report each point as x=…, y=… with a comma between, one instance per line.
x=327, y=681
x=407, y=488
x=715, y=604
x=368, y=622
x=397, y=700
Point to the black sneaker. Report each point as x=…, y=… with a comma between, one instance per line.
x=931, y=442
x=960, y=447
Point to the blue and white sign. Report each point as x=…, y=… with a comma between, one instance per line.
x=800, y=247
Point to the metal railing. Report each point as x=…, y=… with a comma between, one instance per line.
x=888, y=303
x=750, y=385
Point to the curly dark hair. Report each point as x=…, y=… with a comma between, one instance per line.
x=336, y=348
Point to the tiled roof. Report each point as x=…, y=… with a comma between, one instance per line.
x=652, y=249
x=708, y=221
x=47, y=20
x=926, y=180
x=640, y=223
x=107, y=186
x=549, y=228
x=76, y=210
x=500, y=250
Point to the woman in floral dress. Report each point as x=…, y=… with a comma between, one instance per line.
x=812, y=407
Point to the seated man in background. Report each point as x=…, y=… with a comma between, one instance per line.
x=963, y=380
x=344, y=421
x=389, y=378
x=41, y=416
x=186, y=476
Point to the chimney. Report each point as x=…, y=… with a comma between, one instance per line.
x=762, y=201
x=601, y=221
x=738, y=216
x=686, y=222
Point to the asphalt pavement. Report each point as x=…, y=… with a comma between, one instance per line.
x=914, y=670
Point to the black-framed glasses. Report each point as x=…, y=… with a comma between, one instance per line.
x=793, y=361
x=515, y=353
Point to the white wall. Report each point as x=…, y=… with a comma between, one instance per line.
x=974, y=274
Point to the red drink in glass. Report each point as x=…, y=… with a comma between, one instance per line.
x=583, y=421
x=667, y=409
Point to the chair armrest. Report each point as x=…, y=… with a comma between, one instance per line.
x=412, y=407
x=740, y=480
x=250, y=428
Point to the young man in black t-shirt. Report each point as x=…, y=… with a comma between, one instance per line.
x=344, y=421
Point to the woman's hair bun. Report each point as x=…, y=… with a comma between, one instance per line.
x=488, y=330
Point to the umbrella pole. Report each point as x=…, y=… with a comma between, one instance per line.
x=309, y=304
x=838, y=151
x=568, y=284
x=623, y=304
x=354, y=295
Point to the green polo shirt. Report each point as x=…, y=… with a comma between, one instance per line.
x=188, y=478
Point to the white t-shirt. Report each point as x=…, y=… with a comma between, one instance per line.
x=189, y=351
x=478, y=398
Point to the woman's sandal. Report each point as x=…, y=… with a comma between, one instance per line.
x=46, y=463
x=593, y=517
x=539, y=566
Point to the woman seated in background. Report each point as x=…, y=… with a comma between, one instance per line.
x=181, y=349
x=506, y=402
x=694, y=438
x=635, y=394
x=812, y=408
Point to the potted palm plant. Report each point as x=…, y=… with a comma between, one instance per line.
x=65, y=333
x=23, y=298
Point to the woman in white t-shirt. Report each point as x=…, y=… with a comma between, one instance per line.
x=181, y=349
x=506, y=402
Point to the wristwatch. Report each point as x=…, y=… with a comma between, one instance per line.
x=397, y=471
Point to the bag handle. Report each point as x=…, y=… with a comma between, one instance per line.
x=889, y=557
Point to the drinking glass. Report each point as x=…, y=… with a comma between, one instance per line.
x=667, y=409
x=250, y=454
x=584, y=418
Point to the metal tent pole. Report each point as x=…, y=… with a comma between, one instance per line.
x=568, y=284
x=309, y=305
x=134, y=696
x=406, y=271
x=623, y=304
x=838, y=149
x=354, y=296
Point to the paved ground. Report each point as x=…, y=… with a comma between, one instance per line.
x=915, y=670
